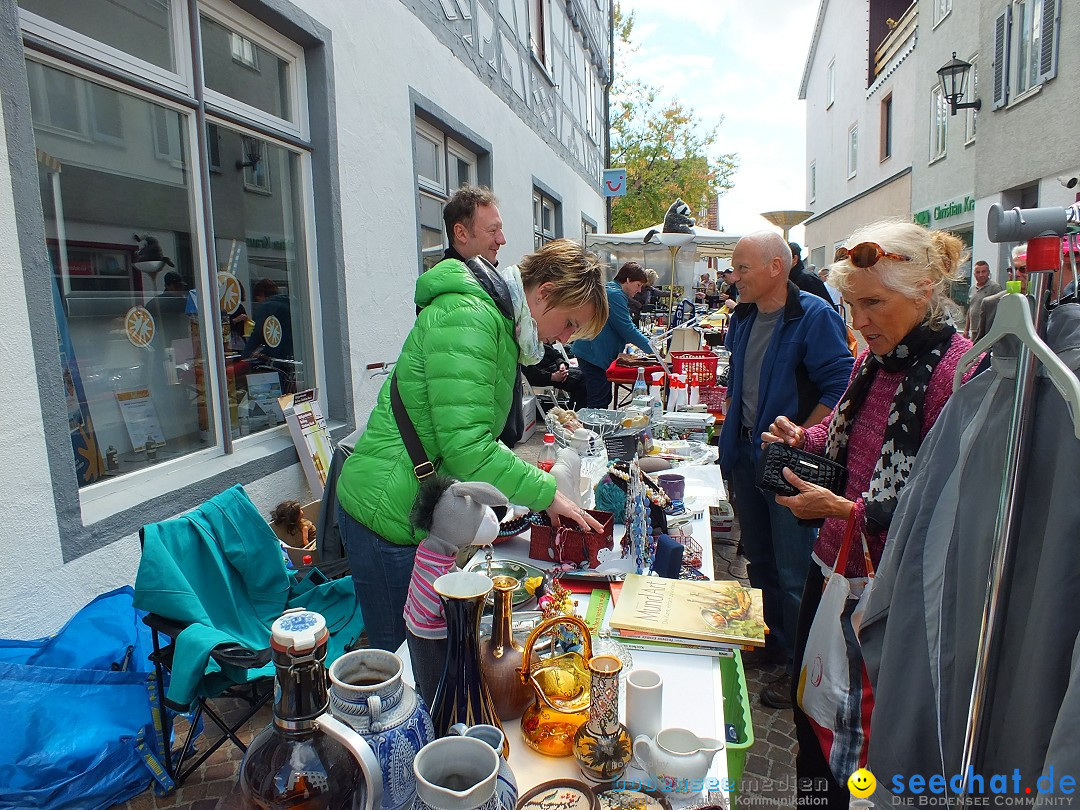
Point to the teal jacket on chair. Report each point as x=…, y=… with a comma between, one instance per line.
x=219, y=569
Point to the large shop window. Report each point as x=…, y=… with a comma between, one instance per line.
x=442, y=167
x=154, y=373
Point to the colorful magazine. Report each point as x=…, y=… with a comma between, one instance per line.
x=723, y=611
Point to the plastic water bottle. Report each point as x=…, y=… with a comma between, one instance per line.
x=546, y=460
x=640, y=387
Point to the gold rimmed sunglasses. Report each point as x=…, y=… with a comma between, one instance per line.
x=867, y=254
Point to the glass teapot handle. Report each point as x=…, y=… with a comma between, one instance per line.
x=543, y=629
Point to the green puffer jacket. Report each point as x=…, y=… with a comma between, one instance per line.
x=456, y=376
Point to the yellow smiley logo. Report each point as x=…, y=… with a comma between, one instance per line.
x=861, y=783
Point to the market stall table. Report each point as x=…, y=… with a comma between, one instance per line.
x=625, y=377
x=693, y=689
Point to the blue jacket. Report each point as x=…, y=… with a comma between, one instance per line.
x=807, y=362
x=617, y=332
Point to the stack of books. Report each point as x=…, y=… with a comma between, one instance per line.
x=684, y=616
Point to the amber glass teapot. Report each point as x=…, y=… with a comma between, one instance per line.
x=561, y=685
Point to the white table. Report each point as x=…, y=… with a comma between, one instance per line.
x=693, y=694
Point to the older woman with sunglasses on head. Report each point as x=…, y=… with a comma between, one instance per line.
x=894, y=276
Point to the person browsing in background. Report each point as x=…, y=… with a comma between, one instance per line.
x=643, y=297
x=554, y=370
x=595, y=355
x=789, y=357
x=474, y=226
x=805, y=281
x=988, y=306
x=984, y=286
x=895, y=277
x=456, y=374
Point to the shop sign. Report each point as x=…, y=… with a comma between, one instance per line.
x=954, y=208
x=267, y=243
x=139, y=326
x=923, y=217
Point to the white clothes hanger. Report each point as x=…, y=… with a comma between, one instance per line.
x=1013, y=317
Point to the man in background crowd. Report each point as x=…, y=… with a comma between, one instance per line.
x=473, y=225
x=807, y=282
x=984, y=286
x=789, y=357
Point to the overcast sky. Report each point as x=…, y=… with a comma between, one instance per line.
x=741, y=60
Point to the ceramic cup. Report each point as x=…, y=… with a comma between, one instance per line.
x=673, y=484
x=644, y=703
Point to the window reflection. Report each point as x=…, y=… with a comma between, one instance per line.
x=116, y=193
x=244, y=70
x=142, y=28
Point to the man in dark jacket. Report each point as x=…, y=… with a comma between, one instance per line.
x=789, y=357
x=805, y=281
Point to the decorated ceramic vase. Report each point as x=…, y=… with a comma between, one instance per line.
x=367, y=693
x=602, y=745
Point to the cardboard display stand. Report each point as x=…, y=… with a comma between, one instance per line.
x=310, y=435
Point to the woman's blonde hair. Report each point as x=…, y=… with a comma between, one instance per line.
x=934, y=265
x=576, y=277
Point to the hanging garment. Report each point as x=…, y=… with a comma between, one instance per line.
x=921, y=629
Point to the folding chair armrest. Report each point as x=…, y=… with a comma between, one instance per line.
x=227, y=653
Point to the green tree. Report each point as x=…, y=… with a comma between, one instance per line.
x=665, y=148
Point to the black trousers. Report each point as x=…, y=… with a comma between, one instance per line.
x=814, y=776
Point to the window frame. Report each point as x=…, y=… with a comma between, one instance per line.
x=447, y=147
x=939, y=125
x=543, y=201
x=853, y=150
x=116, y=498
x=235, y=20
x=181, y=80
x=812, y=181
x=830, y=84
x=886, y=130
x=971, y=114
x=942, y=9
x=539, y=12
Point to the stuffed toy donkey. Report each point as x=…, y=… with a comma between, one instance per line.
x=455, y=515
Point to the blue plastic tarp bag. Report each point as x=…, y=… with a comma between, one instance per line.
x=77, y=709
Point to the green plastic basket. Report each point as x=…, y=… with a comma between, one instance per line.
x=736, y=712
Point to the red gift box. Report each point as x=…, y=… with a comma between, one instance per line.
x=572, y=544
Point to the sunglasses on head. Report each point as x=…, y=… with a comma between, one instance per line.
x=867, y=254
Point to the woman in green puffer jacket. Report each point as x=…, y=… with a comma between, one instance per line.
x=456, y=375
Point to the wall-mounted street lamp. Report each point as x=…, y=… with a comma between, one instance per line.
x=953, y=76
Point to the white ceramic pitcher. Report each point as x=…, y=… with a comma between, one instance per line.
x=678, y=758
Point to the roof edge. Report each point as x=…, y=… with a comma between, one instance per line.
x=812, y=52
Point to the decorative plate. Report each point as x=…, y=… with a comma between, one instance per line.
x=559, y=794
x=632, y=800
x=507, y=568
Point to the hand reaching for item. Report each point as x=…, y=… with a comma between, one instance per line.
x=563, y=510
x=786, y=431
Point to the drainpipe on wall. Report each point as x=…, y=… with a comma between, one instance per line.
x=607, y=105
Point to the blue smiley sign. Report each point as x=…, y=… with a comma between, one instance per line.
x=614, y=183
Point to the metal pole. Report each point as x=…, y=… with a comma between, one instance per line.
x=1006, y=529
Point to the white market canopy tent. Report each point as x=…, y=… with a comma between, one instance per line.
x=669, y=254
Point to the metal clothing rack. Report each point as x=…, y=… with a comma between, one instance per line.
x=1024, y=317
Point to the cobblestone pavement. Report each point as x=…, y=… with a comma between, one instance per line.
x=768, y=776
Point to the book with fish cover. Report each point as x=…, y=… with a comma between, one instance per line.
x=719, y=611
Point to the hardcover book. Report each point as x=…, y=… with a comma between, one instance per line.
x=719, y=611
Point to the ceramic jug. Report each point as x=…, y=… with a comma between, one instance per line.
x=367, y=693
x=506, y=789
x=456, y=773
x=678, y=758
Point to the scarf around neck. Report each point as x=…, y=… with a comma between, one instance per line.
x=530, y=349
x=916, y=355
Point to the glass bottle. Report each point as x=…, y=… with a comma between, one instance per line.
x=640, y=387
x=501, y=655
x=292, y=763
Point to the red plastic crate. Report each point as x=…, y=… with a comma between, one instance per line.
x=700, y=367
x=713, y=396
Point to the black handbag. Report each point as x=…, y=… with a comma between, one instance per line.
x=809, y=467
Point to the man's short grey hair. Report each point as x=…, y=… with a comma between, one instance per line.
x=1018, y=250
x=772, y=246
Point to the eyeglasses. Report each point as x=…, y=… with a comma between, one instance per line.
x=867, y=254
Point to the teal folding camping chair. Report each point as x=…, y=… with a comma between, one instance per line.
x=213, y=582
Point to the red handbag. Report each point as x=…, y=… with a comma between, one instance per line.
x=571, y=544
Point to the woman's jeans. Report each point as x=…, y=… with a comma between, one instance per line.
x=381, y=571
x=597, y=387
